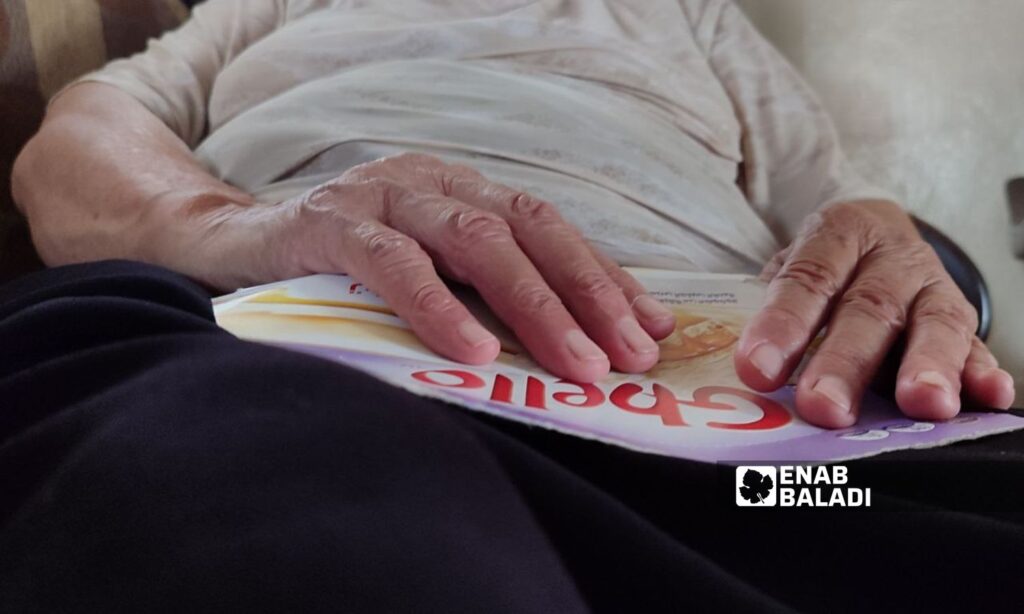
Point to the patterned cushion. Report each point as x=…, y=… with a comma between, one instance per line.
x=44, y=44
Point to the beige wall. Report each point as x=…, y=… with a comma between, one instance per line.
x=928, y=96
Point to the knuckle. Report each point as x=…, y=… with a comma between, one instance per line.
x=365, y=190
x=593, y=282
x=338, y=199
x=920, y=253
x=845, y=222
x=389, y=165
x=954, y=314
x=329, y=191
x=878, y=302
x=816, y=278
x=535, y=299
x=528, y=208
x=316, y=200
x=385, y=244
x=432, y=298
x=456, y=175
x=385, y=195
x=846, y=216
x=446, y=183
x=772, y=268
x=914, y=261
x=366, y=170
x=379, y=185
x=475, y=226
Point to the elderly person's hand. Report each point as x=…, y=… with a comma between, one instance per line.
x=861, y=271
x=397, y=223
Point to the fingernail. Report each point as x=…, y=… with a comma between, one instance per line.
x=649, y=308
x=933, y=378
x=474, y=334
x=582, y=348
x=638, y=341
x=835, y=390
x=768, y=359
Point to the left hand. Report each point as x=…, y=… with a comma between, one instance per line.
x=861, y=270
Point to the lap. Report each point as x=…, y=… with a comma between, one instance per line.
x=153, y=460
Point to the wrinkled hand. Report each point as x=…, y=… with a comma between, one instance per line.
x=862, y=271
x=395, y=224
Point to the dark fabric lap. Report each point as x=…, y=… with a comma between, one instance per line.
x=149, y=461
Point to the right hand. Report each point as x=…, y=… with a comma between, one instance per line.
x=398, y=223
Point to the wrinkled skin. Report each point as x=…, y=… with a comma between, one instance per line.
x=398, y=224
x=862, y=270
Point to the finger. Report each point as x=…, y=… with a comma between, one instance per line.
x=396, y=268
x=469, y=185
x=477, y=247
x=865, y=323
x=774, y=265
x=985, y=384
x=797, y=302
x=657, y=319
x=569, y=266
x=939, y=341
x=428, y=173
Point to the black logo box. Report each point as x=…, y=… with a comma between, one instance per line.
x=980, y=485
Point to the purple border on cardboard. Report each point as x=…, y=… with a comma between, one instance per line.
x=822, y=446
